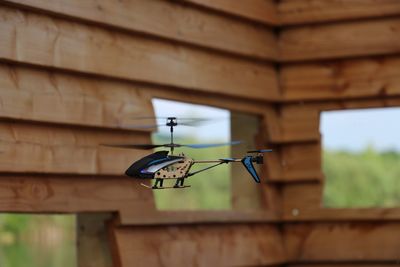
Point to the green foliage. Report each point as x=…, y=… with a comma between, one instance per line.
x=209, y=190
x=37, y=240
x=362, y=179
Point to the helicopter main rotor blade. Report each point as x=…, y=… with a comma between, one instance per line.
x=151, y=146
x=178, y=118
x=260, y=151
x=134, y=146
x=149, y=126
x=213, y=145
x=185, y=121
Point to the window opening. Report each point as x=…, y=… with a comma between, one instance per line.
x=361, y=157
x=210, y=189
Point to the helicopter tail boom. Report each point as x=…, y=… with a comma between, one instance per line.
x=247, y=162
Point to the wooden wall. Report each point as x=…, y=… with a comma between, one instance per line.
x=334, y=55
x=73, y=72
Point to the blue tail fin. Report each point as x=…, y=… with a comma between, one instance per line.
x=248, y=164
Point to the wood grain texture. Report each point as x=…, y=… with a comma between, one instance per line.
x=359, y=103
x=50, y=42
x=270, y=124
x=340, y=40
x=291, y=122
x=263, y=11
x=294, y=162
x=301, y=199
x=68, y=194
x=170, y=20
x=29, y=93
x=93, y=240
x=292, y=12
x=343, y=242
x=133, y=202
x=211, y=245
x=341, y=79
x=150, y=217
x=245, y=193
x=301, y=162
x=234, y=104
x=50, y=96
x=299, y=123
x=53, y=149
x=298, y=213
x=272, y=166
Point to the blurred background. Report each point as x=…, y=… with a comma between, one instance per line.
x=38, y=240
x=361, y=158
x=360, y=162
x=316, y=80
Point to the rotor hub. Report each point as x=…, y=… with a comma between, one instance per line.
x=172, y=121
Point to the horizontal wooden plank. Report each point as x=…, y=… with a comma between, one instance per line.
x=170, y=20
x=347, y=39
x=133, y=217
x=133, y=202
x=300, y=199
x=309, y=207
x=272, y=167
x=295, y=213
x=293, y=12
x=290, y=123
x=299, y=123
x=341, y=79
x=361, y=103
x=29, y=93
x=207, y=245
x=49, y=96
x=52, y=149
x=69, y=194
x=294, y=162
x=301, y=162
x=342, y=242
x=234, y=104
x=263, y=11
x=51, y=42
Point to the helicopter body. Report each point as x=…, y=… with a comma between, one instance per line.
x=162, y=165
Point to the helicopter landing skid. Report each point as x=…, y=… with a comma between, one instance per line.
x=164, y=187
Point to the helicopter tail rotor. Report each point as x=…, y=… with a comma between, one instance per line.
x=248, y=161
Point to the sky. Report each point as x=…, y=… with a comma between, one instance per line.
x=352, y=130
x=218, y=130
x=356, y=129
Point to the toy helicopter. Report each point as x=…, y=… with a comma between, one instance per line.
x=162, y=165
